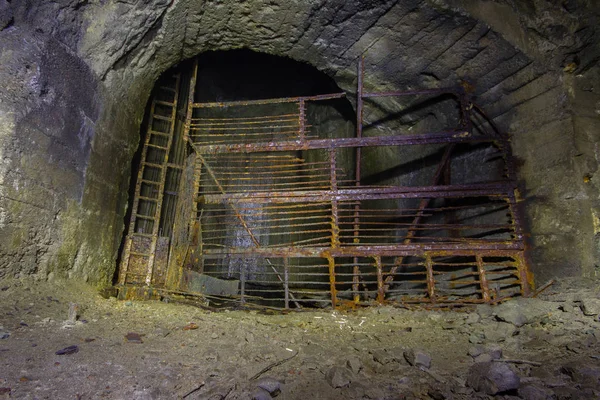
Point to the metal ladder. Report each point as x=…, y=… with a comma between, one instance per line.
x=150, y=183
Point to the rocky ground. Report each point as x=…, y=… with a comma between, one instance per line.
x=543, y=348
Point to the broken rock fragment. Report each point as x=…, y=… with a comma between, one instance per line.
x=418, y=358
x=67, y=350
x=338, y=377
x=492, y=378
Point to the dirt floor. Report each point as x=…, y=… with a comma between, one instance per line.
x=545, y=348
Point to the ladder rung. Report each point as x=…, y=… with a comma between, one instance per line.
x=157, y=146
x=174, y=166
x=147, y=217
x=150, y=182
x=147, y=198
x=153, y=165
x=149, y=235
x=164, y=103
x=157, y=133
x=156, y=116
x=135, y=253
x=167, y=88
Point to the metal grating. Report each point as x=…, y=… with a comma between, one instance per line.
x=276, y=211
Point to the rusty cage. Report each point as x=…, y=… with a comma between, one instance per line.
x=265, y=208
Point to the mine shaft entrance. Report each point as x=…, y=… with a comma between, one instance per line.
x=283, y=202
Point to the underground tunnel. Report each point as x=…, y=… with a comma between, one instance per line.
x=368, y=199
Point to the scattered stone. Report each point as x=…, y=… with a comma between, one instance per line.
x=475, y=351
x=494, y=351
x=382, y=357
x=190, y=327
x=436, y=394
x=492, y=378
x=261, y=394
x=214, y=335
x=522, y=311
x=73, y=313
x=67, y=350
x=417, y=358
x=354, y=364
x=475, y=339
x=338, y=377
x=483, y=358
x=89, y=340
x=590, y=307
x=534, y=392
x=472, y=318
x=133, y=337
x=4, y=334
x=271, y=385
x=582, y=373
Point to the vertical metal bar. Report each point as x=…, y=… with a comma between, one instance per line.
x=243, y=285
x=286, y=286
x=485, y=289
x=335, y=226
x=301, y=119
x=527, y=284
x=380, y=290
x=357, y=173
x=331, y=262
x=190, y=108
x=430, y=278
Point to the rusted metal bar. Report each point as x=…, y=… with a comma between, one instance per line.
x=286, y=285
x=430, y=278
x=380, y=289
x=369, y=141
x=320, y=97
x=332, y=288
x=503, y=249
x=475, y=190
x=485, y=290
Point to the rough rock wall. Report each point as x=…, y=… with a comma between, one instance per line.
x=77, y=75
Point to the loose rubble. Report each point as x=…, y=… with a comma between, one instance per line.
x=530, y=349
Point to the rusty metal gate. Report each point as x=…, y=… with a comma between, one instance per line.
x=273, y=211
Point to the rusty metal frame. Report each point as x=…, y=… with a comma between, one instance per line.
x=371, y=270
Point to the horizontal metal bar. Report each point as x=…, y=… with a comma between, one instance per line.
x=366, y=193
x=374, y=141
x=270, y=101
x=504, y=248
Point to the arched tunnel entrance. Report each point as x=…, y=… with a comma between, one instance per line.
x=259, y=183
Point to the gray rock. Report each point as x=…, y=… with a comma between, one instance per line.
x=475, y=338
x=585, y=374
x=472, y=318
x=271, y=385
x=354, y=364
x=261, y=394
x=492, y=378
x=418, y=358
x=494, y=351
x=4, y=334
x=535, y=392
x=338, y=377
x=475, y=351
x=483, y=358
x=590, y=306
x=523, y=311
